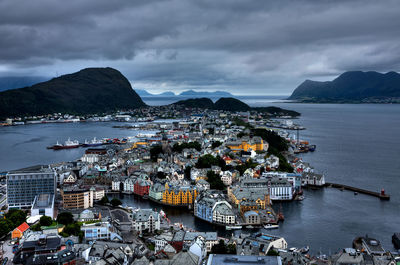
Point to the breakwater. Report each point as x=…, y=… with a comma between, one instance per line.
x=381, y=195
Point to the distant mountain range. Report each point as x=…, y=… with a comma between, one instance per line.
x=11, y=82
x=233, y=104
x=185, y=94
x=91, y=90
x=351, y=87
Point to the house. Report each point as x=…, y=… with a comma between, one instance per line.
x=198, y=248
x=252, y=217
x=146, y=220
x=226, y=177
x=202, y=184
x=96, y=231
x=141, y=187
x=70, y=178
x=156, y=191
x=19, y=231
x=217, y=259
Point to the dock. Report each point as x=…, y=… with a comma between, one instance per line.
x=381, y=195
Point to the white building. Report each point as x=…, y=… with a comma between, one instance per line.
x=43, y=204
x=226, y=177
x=96, y=231
x=222, y=213
x=146, y=219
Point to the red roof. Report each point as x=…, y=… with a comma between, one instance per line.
x=23, y=227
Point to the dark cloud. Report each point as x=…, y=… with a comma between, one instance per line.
x=253, y=46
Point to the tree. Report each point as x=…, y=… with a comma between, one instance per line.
x=216, y=144
x=45, y=221
x=104, y=200
x=206, y=161
x=179, y=147
x=115, y=202
x=215, y=181
x=155, y=151
x=222, y=248
x=16, y=217
x=65, y=218
x=72, y=229
x=5, y=227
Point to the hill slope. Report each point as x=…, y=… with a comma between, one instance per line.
x=90, y=90
x=355, y=86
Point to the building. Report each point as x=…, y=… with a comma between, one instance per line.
x=98, y=193
x=19, y=231
x=245, y=143
x=281, y=189
x=156, y=191
x=146, y=220
x=259, y=244
x=76, y=198
x=216, y=259
x=96, y=231
x=141, y=187
x=223, y=214
x=43, y=204
x=179, y=195
x=252, y=218
x=44, y=249
x=210, y=238
x=25, y=184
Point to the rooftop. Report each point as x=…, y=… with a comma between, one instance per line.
x=215, y=259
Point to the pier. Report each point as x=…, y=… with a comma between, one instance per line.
x=381, y=195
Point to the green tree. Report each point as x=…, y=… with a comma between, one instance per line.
x=215, y=181
x=216, y=144
x=65, y=218
x=115, y=202
x=155, y=151
x=45, y=221
x=5, y=227
x=16, y=217
x=104, y=200
x=206, y=161
x=72, y=229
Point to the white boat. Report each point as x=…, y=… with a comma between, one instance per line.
x=271, y=226
x=232, y=227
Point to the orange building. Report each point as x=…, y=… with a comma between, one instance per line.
x=245, y=143
x=179, y=195
x=19, y=231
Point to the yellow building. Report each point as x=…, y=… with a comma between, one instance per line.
x=249, y=198
x=179, y=195
x=245, y=143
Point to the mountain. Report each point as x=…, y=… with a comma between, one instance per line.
x=11, y=82
x=91, y=90
x=144, y=93
x=233, y=104
x=201, y=103
x=201, y=94
x=186, y=94
x=354, y=86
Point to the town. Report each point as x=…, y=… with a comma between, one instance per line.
x=228, y=169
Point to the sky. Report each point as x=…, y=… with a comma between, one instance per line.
x=251, y=47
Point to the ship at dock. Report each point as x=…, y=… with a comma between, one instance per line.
x=92, y=143
x=67, y=145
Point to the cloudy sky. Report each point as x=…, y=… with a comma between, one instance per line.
x=244, y=47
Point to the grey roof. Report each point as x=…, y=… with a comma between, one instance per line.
x=209, y=236
x=143, y=215
x=216, y=259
